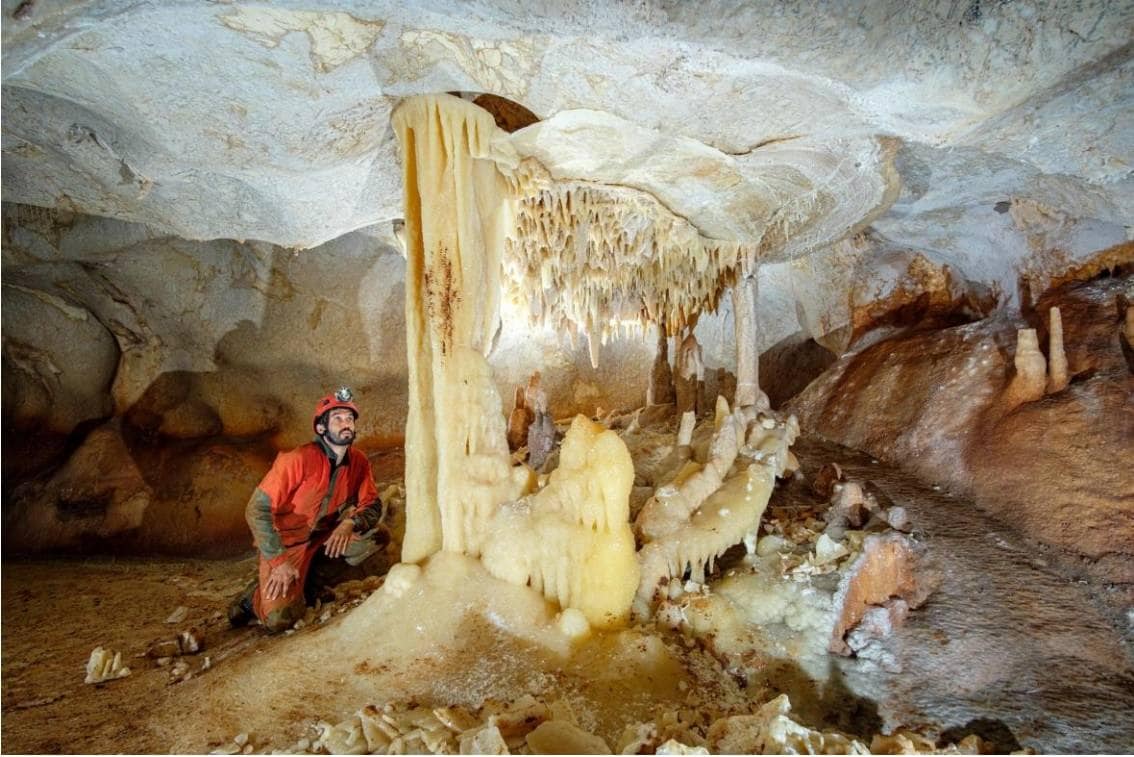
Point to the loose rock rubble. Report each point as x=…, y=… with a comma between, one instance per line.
x=529, y=726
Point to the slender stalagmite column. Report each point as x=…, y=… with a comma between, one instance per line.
x=660, y=390
x=744, y=294
x=689, y=374
x=456, y=215
x=1057, y=378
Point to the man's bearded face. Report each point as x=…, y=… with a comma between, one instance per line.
x=340, y=427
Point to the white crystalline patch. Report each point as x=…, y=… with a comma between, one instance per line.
x=772, y=731
x=400, y=578
x=770, y=544
x=485, y=740
x=573, y=623
x=676, y=747
x=828, y=550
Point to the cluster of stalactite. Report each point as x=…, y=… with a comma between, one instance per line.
x=608, y=260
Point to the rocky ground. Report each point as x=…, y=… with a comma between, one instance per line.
x=1009, y=646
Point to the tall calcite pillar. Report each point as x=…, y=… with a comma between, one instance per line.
x=744, y=294
x=457, y=212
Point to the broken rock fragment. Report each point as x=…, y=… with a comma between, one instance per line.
x=561, y=737
x=189, y=641
x=177, y=615
x=105, y=665
x=886, y=569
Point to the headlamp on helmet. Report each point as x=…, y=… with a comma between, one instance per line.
x=344, y=397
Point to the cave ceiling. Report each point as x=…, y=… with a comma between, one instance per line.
x=978, y=134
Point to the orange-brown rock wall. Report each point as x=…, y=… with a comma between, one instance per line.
x=1057, y=468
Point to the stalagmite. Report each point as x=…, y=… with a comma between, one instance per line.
x=685, y=434
x=518, y=421
x=541, y=431
x=744, y=295
x=571, y=540
x=660, y=391
x=672, y=505
x=456, y=217
x=1028, y=383
x=689, y=375
x=1057, y=379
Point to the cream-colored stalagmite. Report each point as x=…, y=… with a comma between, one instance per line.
x=571, y=540
x=744, y=295
x=1030, y=380
x=1057, y=378
x=456, y=216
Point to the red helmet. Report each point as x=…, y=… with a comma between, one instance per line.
x=342, y=398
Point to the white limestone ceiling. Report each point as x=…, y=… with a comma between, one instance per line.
x=270, y=121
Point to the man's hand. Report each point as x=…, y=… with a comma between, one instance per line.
x=340, y=538
x=279, y=580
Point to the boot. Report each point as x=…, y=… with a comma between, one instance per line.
x=240, y=611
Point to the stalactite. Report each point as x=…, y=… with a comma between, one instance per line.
x=689, y=375
x=616, y=253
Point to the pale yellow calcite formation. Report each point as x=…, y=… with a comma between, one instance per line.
x=1057, y=378
x=572, y=540
x=710, y=506
x=1030, y=380
x=457, y=211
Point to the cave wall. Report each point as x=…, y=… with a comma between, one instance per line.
x=936, y=402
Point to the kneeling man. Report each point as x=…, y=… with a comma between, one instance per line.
x=320, y=495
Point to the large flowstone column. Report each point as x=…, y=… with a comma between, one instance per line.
x=457, y=212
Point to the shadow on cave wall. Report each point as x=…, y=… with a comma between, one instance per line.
x=172, y=474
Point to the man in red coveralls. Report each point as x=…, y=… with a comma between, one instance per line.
x=320, y=495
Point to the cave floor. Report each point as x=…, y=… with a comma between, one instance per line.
x=1012, y=644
